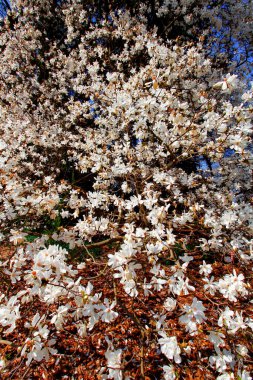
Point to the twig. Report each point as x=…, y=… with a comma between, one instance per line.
x=98, y=275
x=88, y=252
x=142, y=355
x=104, y=242
x=26, y=372
x=115, y=291
x=7, y=342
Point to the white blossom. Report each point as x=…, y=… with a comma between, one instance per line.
x=114, y=364
x=169, y=372
x=232, y=285
x=169, y=347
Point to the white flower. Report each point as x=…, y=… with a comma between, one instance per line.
x=226, y=376
x=3, y=145
x=170, y=237
x=14, y=275
x=194, y=314
x=228, y=83
x=205, y=269
x=186, y=258
x=38, y=350
x=146, y=288
x=244, y=375
x=236, y=323
x=114, y=364
x=130, y=288
x=169, y=372
x=17, y=237
x=169, y=347
x=221, y=360
x=160, y=321
x=158, y=283
x=170, y=304
x=59, y=316
x=180, y=285
x=210, y=285
x=217, y=339
x=82, y=329
x=81, y=266
x=228, y=218
x=51, y=293
x=107, y=313
x=9, y=314
x=2, y=362
x=231, y=286
x=225, y=317
x=242, y=350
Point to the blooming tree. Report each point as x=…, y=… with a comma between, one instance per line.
x=125, y=161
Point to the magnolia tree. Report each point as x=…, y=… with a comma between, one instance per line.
x=125, y=160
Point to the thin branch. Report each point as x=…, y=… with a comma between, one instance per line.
x=104, y=242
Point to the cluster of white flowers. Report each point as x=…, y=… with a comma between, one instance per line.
x=123, y=137
x=194, y=315
x=232, y=285
x=169, y=347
